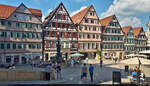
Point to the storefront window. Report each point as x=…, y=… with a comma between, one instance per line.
x=16, y=59
x=8, y=59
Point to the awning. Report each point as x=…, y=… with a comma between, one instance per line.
x=36, y=54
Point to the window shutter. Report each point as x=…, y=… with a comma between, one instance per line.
x=76, y=35
x=78, y=45
x=50, y=34
x=59, y=34
x=45, y=44
x=72, y=44
x=61, y=25
x=71, y=35
x=51, y=44
x=64, y=34
x=71, y=26
x=55, y=34
x=66, y=26
x=56, y=25
x=67, y=35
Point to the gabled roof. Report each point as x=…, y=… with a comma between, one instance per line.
x=77, y=18
x=137, y=31
x=6, y=11
x=52, y=13
x=105, y=21
x=126, y=29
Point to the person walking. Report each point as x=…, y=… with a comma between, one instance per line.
x=47, y=71
x=91, y=71
x=101, y=62
x=84, y=72
x=58, y=70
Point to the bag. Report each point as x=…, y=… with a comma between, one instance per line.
x=143, y=75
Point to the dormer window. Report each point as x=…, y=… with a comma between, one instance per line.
x=91, y=13
x=15, y=15
x=30, y=17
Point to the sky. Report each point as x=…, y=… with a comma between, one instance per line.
x=129, y=12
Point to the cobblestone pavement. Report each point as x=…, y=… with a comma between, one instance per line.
x=71, y=75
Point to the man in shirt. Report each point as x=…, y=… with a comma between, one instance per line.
x=47, y=71
x=91, y=70
x=84, y=72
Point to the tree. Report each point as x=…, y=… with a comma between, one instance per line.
x=99, y=52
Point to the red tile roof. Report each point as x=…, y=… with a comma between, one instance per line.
x=6, y=11
x=52, y=13
x=126, y=29
x=77, y=18
x=137, y=31
x=105, y=21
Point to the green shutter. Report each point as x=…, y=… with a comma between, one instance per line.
x=8, y=46
x=9, y=24
x=2, y=46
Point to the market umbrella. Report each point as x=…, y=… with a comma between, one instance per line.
x=76, y=54
x=136, y=60
x=145, y=52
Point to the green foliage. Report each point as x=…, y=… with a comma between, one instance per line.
x=99, y=52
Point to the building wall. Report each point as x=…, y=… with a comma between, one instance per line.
x=65, y=29
x=113, y=40
x=89, y=34
x=19, y=35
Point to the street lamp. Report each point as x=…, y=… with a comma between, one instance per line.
x=58, y=57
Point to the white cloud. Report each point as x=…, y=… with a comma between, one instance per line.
x=74, y=12
x=128, y=10
x=49, y=11
x=133, y=21
x=43, y=17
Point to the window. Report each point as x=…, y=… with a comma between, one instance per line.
x=23, y=35
x=86, y=21
x=30, y=46
x=8, y=46
x=32, y=35
x=39, y=46
x=91, y=13
x=17, y=35
x=2, y=46
x=17, y=24
x=14, y=46
x=26, y=25
x=19, y=46
x=28, y=35
x=4, y=34
x=37, y=36
x=30, y=17
x=11, y=34
x=24, y=46
x=30, y=25
x=9, y=24
x=2, y=23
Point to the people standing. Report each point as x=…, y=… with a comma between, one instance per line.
x=58, y=70
x=101, y=62
x=87, y=60
x=47, y=71
x=84, y=72
x=91, y=71
x=72, y=62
